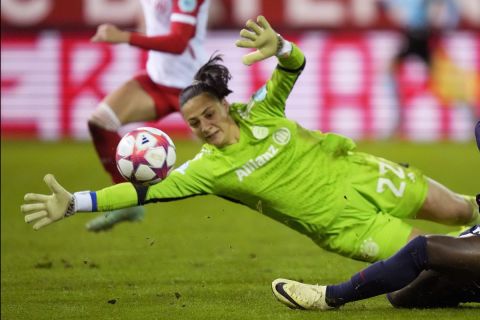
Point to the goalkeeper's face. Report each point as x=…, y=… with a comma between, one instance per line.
x=209, y=119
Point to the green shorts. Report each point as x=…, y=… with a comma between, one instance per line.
x=379, y=196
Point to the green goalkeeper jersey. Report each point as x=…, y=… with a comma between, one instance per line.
x=294, y=175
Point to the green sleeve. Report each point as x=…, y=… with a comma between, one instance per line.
x=294, y=61
x=118, y=196
x=280, y=84
x=192, y=178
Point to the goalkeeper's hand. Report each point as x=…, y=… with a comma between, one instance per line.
x=46, y=209
x=261, y=36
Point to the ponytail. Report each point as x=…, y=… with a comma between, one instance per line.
x=211, y=78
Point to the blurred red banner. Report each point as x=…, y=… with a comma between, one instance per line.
x=52, y=81
x=288, y=14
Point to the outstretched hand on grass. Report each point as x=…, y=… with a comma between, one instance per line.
x=261, y=36
x=45, y=209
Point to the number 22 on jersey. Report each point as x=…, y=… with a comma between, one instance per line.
x=385, y=183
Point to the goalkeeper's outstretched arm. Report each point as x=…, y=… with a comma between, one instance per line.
x=42, y=209
x=259, y=35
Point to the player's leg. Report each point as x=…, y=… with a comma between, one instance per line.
x=453, y=256
x=432, y=289
x=429, y=287
x=109, y=219
x=444, y=206
x=381, y=277
x=456, y=257
x=448, y=292
x=140, y=99
x=129, y=103
x=455, y=277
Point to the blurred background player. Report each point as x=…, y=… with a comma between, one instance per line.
x=429, y=272
x=175, y=33
x=423, y=22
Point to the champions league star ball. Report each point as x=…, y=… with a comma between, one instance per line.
x=145, y=156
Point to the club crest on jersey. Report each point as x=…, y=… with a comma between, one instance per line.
x=369, y=248
x=187, y=5
x=282, y=136
x=259, y=132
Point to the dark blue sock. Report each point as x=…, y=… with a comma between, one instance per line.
x=383, y=276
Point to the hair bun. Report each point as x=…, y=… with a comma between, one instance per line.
x=212, y=78
x=215, y=75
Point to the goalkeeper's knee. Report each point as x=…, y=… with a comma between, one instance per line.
x=474, y=204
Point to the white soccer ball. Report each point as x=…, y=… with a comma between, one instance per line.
x=145, y=156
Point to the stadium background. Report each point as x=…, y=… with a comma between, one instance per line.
x=52, y=77
x=205, y=258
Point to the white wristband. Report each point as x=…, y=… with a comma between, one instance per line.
x=83, y=201
x=285, y=49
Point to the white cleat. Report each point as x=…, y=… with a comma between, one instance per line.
x=297, y=295
x=107, y=220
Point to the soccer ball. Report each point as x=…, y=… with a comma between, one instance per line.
x=145, y=156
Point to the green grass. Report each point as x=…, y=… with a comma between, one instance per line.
x=200, y=258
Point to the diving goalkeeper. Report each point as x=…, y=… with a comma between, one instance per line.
x=346, y=201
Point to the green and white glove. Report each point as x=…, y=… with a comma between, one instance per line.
x=261, y=36
x=46, y=209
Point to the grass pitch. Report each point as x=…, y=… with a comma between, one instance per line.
x=200, y=258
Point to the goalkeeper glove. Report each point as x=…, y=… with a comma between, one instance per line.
x=46, y=209
x=261, y=36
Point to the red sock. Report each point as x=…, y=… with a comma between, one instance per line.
x=106, y=142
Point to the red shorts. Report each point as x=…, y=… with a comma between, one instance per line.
x=165, y=98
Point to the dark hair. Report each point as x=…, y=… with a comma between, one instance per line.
x=211, y=78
